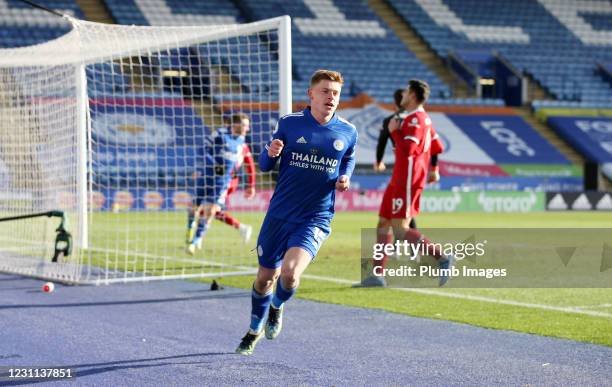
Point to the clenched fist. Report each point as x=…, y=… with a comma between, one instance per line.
x=343, y=183
x=433, y=176
x=275, y=148
x=379, y=166
x=249, y=193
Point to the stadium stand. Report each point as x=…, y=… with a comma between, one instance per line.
x=605, y=70
x=529, y=33
x=591, y=136
x=150, y=12
x=568, y=60
x=21, y=25
x=204, y=12
x=359, y=45
x=97, y=82
x=362, y=47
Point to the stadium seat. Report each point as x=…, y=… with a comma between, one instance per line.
x=553, y=56
x=372, y=63
x=369, y=54
x=30, y=26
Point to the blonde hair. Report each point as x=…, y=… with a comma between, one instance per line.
x=237, y=118
x=328, y=75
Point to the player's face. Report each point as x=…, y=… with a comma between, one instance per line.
x=407, y=94
x=242, y=128
x=324, y=98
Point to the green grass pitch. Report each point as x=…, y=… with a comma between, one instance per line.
x=577, y=314
x=537, y=311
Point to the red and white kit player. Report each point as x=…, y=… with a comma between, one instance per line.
x=415, y=142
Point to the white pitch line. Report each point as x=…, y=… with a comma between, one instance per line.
x=576, y=310
x=474, y=298
x=592, y=306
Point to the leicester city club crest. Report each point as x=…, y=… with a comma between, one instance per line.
x=338, y=145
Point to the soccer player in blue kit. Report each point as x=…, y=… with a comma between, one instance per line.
x=221, y=155
x=316, y=149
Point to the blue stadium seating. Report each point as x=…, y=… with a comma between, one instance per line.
x=127, y=12
x=372, y=64
x=256, y=68
x=105, y=78
x=31, y=26
x=605, y=70
x=253, y=86
x=554, y=56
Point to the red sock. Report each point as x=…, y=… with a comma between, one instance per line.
x=386, y=237
x=414, y=236
x=228, y=219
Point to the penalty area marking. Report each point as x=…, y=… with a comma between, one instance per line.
x=475, y=298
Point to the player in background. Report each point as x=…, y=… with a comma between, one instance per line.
x=246, y=158
x=316, y=149
x=384, y=136
x=213, y=177
x=415, y=141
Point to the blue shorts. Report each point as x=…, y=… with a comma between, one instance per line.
x=277, y=236
x=211, y=191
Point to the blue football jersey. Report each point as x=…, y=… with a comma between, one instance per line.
x=223, y=151
x=312, y=158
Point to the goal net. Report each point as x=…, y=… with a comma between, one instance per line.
x=112, y=126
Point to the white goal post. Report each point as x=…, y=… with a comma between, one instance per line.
x=108, y=124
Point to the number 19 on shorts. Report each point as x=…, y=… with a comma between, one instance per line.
x=396, y=205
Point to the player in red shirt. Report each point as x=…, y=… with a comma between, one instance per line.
x=247, y=158
x=415, y=142
x=384, y=136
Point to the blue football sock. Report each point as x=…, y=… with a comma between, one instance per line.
x=202, y=228
x=260, y=303
x=281, y=295
x=190, y=218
